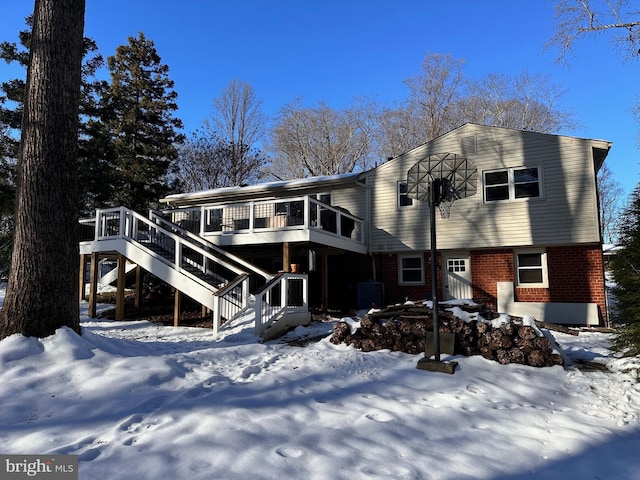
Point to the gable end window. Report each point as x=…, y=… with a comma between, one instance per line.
x=403, y=198
x=410, y=270
x=512, y=184
x=531, y=268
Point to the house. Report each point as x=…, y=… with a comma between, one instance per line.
x=526, y=243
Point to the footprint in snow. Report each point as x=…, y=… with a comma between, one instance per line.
x=250, y=370
x=132, y=424
x=474, y=389
x=290, y=451
x=379, y=416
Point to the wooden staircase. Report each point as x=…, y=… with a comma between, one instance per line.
x=194, y=266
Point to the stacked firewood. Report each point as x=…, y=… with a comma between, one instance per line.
x=404, y=328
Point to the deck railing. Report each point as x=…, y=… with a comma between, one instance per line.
x=285, y=294
x=189, y=258
x=181, y=253
x=230, y=301
x=258, y=216
x=161, y=219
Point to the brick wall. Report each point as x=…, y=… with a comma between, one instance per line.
x=487, y=268
x=575, y=275
x=388, y=273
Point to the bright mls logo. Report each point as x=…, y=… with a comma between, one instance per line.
x=50, y=467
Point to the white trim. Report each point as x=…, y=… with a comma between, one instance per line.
x=413, y=200
x=403, y=256
x=543, y=260
x=511, y=184
x=465, y=278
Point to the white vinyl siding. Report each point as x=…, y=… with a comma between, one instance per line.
x=566, y=212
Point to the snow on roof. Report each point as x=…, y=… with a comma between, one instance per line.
x=610, y=249
x=259, y=187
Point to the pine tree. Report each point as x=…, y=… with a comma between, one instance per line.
x=94, y=183
x=42, y=293
x=626, y=272
x=138, y=106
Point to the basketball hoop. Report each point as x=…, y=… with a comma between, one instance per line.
x=440, y=179
x=455, y=177
x=442, y=194
x=445, y=207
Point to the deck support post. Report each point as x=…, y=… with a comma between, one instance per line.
x=177, y=306
x=122, y=277
x=93, y=284
x=138, y=297
x=286, y=257
x=324, y=258
x=82, y=275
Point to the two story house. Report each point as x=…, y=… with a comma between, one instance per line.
x=527, y=243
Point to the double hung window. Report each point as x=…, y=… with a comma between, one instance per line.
x=410, y=270
x=531, y=268
x=512, y=183
x=403, y=198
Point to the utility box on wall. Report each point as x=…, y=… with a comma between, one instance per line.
x=369, y=294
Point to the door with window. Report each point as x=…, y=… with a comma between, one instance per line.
x=456, y=276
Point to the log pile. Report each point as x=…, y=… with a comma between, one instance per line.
x=404, y=328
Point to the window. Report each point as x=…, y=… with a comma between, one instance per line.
x=511, y=183
x=457, y=265
x=403, y=198
x=324, y=198
x=531, y=269
x=410, y=270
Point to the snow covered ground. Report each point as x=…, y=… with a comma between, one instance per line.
x=136, y=400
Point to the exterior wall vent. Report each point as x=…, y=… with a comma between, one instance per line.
x=468, y=145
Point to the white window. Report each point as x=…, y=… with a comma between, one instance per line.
x=512, y=183
x=410, y=270
x=531, y=268
x=403, y=198
x=324, y=198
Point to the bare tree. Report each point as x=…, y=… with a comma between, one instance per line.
x=576, y=19
x=433, y=95
x=399, y=130
x=441, y=99
x=238, y=120
x=205, y=162
x=523, y=102
x=321, y=140
x=42, y=293
x=610, y=197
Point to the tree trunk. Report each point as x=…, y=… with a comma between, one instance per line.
x=42, y=293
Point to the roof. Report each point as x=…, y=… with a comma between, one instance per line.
x=276, y=188
x=600, y=147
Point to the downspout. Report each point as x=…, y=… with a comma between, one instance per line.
x=368, y=228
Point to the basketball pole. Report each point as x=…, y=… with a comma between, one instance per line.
x=439, y=177
x=435, y=198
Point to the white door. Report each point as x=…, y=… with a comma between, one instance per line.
x=456, y=276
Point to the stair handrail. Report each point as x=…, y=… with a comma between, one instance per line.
x=266, y=312
x=224, y=301
x=156, y=215
x=127, y=230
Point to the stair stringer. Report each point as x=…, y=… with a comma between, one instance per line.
x=153, y=263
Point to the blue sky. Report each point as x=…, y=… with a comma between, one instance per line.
x=335, y=50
